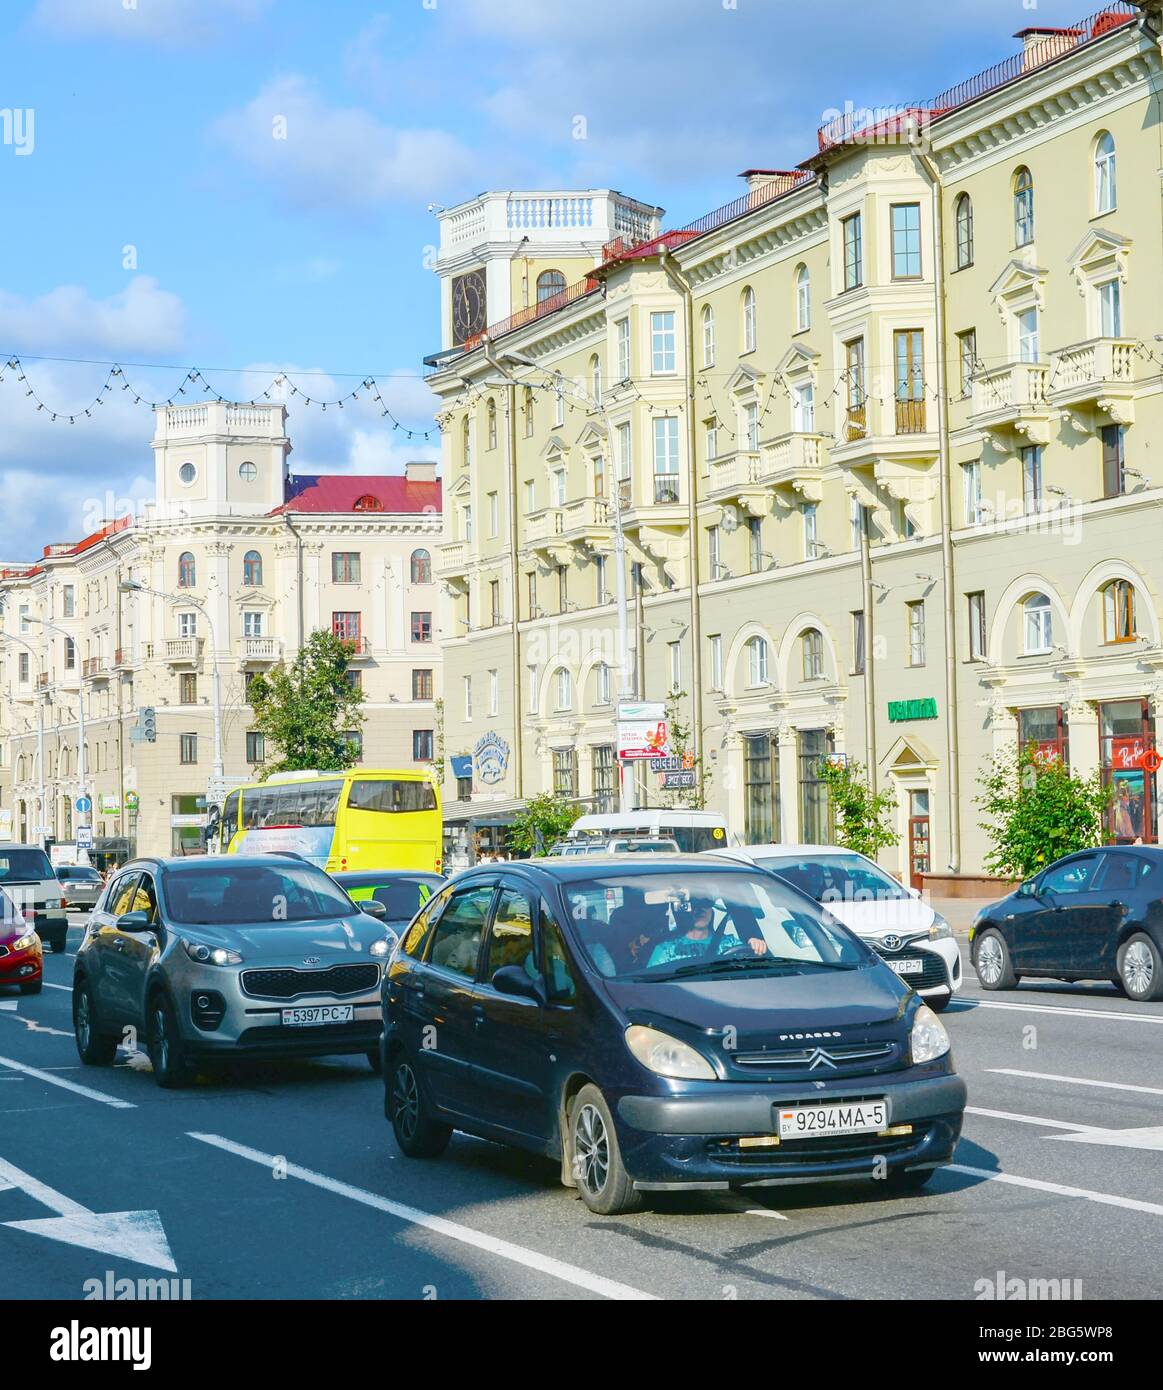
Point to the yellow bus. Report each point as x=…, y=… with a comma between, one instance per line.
x=341, y=821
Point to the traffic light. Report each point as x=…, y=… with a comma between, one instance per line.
x=149, y=724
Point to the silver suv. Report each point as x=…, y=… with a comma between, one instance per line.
x=228, y=957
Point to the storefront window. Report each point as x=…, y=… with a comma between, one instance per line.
x=1047, y=729
x=1126, y=735
x=815, y=820
x=760, y=783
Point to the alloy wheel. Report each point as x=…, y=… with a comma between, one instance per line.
x=1138, y=968
x=161, y=1038
x=84, y=1021
x=592, y=1149
x=406, y=1101
x=989, y=960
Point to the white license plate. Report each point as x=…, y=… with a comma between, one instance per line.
x=847, y=1117
x=312, y=1015
x=906, y=967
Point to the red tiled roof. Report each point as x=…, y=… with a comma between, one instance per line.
x=351, y=492
x=105, y=532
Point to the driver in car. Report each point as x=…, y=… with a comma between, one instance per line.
x=695, y=940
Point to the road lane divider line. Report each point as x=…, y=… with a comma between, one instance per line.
x=439, y=1225
x=963, y=1005
x=73, y=1086
x=48, y=984
x=1107, y=1199
x=1033, y=1120
x=1077, y=1080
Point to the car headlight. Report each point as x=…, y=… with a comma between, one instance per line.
x=211, y=955
x=667, y=1056
x=26, y=942
x=928, y=1040
x=382, y=948
x=940, y=929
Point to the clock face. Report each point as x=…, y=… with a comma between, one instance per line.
x=469, y=312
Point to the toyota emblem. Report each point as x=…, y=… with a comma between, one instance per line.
x=893, y=943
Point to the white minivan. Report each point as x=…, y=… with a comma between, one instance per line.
x=912, y=938
x=693, y=831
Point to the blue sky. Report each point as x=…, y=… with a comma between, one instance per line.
x=152, y=129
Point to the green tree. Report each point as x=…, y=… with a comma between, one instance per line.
x=1036, y=810
x=306, y=709
x=690, y=798
x=863, y=818
x=544, y=821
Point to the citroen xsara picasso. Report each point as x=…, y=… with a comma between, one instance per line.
x=702, y=1024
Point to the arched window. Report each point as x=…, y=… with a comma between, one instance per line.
x=748, y=319
x=757, y=661
x=187, y=571
x=549, y=283
x=564, y=689
x=813, y=644
x=708, y=337
x=1118, y=612
x=1105, y=170
x=421, y=567
x=368, y=503
x=252, y=569
x=1023, y=207
x=964, y=231
x=596, y=379
x=1039, y=622
x=803, y=299
x=492, y=421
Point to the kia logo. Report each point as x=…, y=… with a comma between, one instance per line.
x=312, y=960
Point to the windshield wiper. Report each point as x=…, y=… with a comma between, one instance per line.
x=751, y=963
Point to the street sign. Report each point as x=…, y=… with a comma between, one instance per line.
x=676, y=762
x=84, y=805
x=650, y=711
x=84, y=837
x=131, y=801
x=674, y=781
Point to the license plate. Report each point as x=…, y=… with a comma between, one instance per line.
x=907, y=967
x=848, y=1117
x=312, y=1015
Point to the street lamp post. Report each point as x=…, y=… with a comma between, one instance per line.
x=133, y=586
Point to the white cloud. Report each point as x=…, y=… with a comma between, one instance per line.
x=141, y=318
x=169, y=22
x=321, y=156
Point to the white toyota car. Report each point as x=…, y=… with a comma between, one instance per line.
x=912, y=938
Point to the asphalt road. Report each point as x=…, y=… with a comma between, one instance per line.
x=283, y=1181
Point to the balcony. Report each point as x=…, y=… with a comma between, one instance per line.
x=358, y=648
x=453, y=559
x=259, y=651
x=1095, y=376
x=794, y=461
x=734, y=478
x=586, y=522
x=42, y=680
x=95, y=669
x=1011, y=400
x=182, y=651
x=545, y=536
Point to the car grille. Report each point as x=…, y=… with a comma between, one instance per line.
x=825, y=1149
x=933, y=974
x=840, y=1056
x=290, y=984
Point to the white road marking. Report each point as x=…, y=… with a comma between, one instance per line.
x=961, y=1005
x=34, y=1027
x=85, y=1091
x=133, y=1235
x=1149, y=1138
x=48, y=984
x=492, y=1245
x=1077, y=1081
x=1030, y=1119
x=763, y=1211
x=1108, y=1199
x=8, y=1005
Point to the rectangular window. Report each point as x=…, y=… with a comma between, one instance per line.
x=68, y=601
x=674, y=653
x=466, y=524
x=605, y=779
x=494, y=693
x=811, y=541
x=624, y=349
x=976, y=602
x=1029, y=344
x=467, y=697
x=531, y=594
x=906, y=241
x=256, y=750
x=565, y=772
x=857, y=421
x=187, y=688
x=564, y=689
x=562, y=588
x=916, y=614
x=666, y=458
x=421, y=627
x=853, y=229
x=715, y=660
x=714, y=551
x=70, y=654
x=1114, y=462
x=1046, y=728
x=495, y=602
x=625, y=452
x=188, y=748
x=602, y=593
x=187, y=625
x=858, y=655
x=971, y=482
x=494, y=515
x=909, y=345
x=252, y=622
x=530, y=496
x=1032, y=493
x=967, y=358
x=755, y=543
x=857, y=521
x=1110, y=306
x=803, y=409
x=815, y=821
x=421, y=745
x=599, y=476
x=354, y=678
x=421, y=684
x=22, y=667
x=558, y=402
x=760, y=789
x=532, y=690
x=345, y=568
x=662, y=343
x=602, y=688
x=751, y=427
x=346, y=625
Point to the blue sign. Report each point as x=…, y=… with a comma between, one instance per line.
x=492, y=758
x=84, y=805
x=84, y=837
x=461, y=765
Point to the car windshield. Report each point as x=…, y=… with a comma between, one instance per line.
x=24, y=865
x=837, y=878
x=672, y=924
x=277, y=893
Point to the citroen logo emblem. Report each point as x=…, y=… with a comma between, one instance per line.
x=820, y=1058
x=892, y=943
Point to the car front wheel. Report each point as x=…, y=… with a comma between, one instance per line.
x=417, y=1132
x=605, y=1185
x=1141, y=969
x=991, y=960
x=171, y=1066
x=95, y=1049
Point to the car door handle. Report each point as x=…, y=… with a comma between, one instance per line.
x=118, y=944
x=478, y=1015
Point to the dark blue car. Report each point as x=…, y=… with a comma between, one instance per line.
x=693, y=1024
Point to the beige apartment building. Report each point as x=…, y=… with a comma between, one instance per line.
x=881, y=442
x=236, y=561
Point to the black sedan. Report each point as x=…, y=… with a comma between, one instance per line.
x=1097, y=915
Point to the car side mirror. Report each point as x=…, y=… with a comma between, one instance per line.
x=512, y=980
x=373, y=907
x=134, y=922
x=1029, y=889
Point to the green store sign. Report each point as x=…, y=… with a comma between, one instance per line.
x=902, y=711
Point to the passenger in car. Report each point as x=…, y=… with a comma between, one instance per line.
x=695, y=939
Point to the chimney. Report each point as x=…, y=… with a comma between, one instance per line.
x=763, y=178
x=1040, y=45
x=420, y=471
